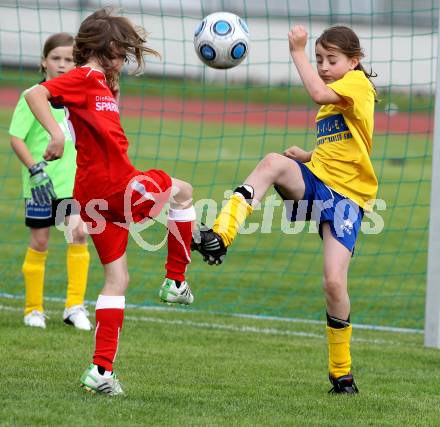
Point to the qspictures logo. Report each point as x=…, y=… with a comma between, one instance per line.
x=345, y=215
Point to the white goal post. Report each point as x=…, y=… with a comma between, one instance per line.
x=432, y=304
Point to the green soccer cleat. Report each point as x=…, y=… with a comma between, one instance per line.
x=93, y=382
x=170, y=293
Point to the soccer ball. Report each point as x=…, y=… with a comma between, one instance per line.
x=221, y=40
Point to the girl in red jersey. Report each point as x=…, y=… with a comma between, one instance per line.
x=111, y=192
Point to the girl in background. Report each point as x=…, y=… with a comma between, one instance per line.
x=44, y=187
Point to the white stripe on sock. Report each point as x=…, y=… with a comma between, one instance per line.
x=110, y=301
x=182, y=215
x=117, y=346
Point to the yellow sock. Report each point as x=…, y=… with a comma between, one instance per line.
x=339, y=359
x=33, y=271
x=78, y=260
x=231, y=217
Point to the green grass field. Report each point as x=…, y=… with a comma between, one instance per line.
x=206, y=365
x=183, y=368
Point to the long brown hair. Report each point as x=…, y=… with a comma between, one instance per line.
x=105, y=37
x=52, y=42
x=345, y=40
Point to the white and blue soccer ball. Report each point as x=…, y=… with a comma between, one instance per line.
x=221, y=40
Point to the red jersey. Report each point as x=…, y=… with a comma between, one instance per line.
x=103, y=166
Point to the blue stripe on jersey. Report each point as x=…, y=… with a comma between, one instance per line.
x=331, y=125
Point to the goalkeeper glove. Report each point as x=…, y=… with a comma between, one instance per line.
x=41, y=185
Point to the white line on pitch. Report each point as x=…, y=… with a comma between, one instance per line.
x=231, y=328
x=242, y=315
x=223, y=327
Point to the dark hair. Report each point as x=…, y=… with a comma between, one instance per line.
x=345, y=40
x=105, y=37
x=54, y=41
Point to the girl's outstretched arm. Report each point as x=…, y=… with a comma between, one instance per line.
x=37, y=99
x=317, y=89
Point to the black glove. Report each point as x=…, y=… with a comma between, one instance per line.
x=41, y=185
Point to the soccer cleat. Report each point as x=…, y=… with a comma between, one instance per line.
x=343, y=385
x=36, y=319
x=77, y=316
x=170, y=293
x=209, y=244
x=93, y=382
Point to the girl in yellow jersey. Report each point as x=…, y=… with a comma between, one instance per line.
x=336, y=179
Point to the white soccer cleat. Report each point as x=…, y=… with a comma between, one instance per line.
x=170, y=293
x=77, y=316
x=94, y=382
x=36, y=319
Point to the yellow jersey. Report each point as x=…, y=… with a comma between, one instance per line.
x=344, y=138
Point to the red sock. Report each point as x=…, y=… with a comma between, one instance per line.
x=109, y=319
x=180, y=224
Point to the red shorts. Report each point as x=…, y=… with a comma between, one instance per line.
x=108, y=220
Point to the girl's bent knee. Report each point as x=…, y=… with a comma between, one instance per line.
x=274, y=163
x=271, y=160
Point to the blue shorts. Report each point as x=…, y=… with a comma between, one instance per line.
x=322, y=204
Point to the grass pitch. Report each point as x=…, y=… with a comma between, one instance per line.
x=184, y=368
